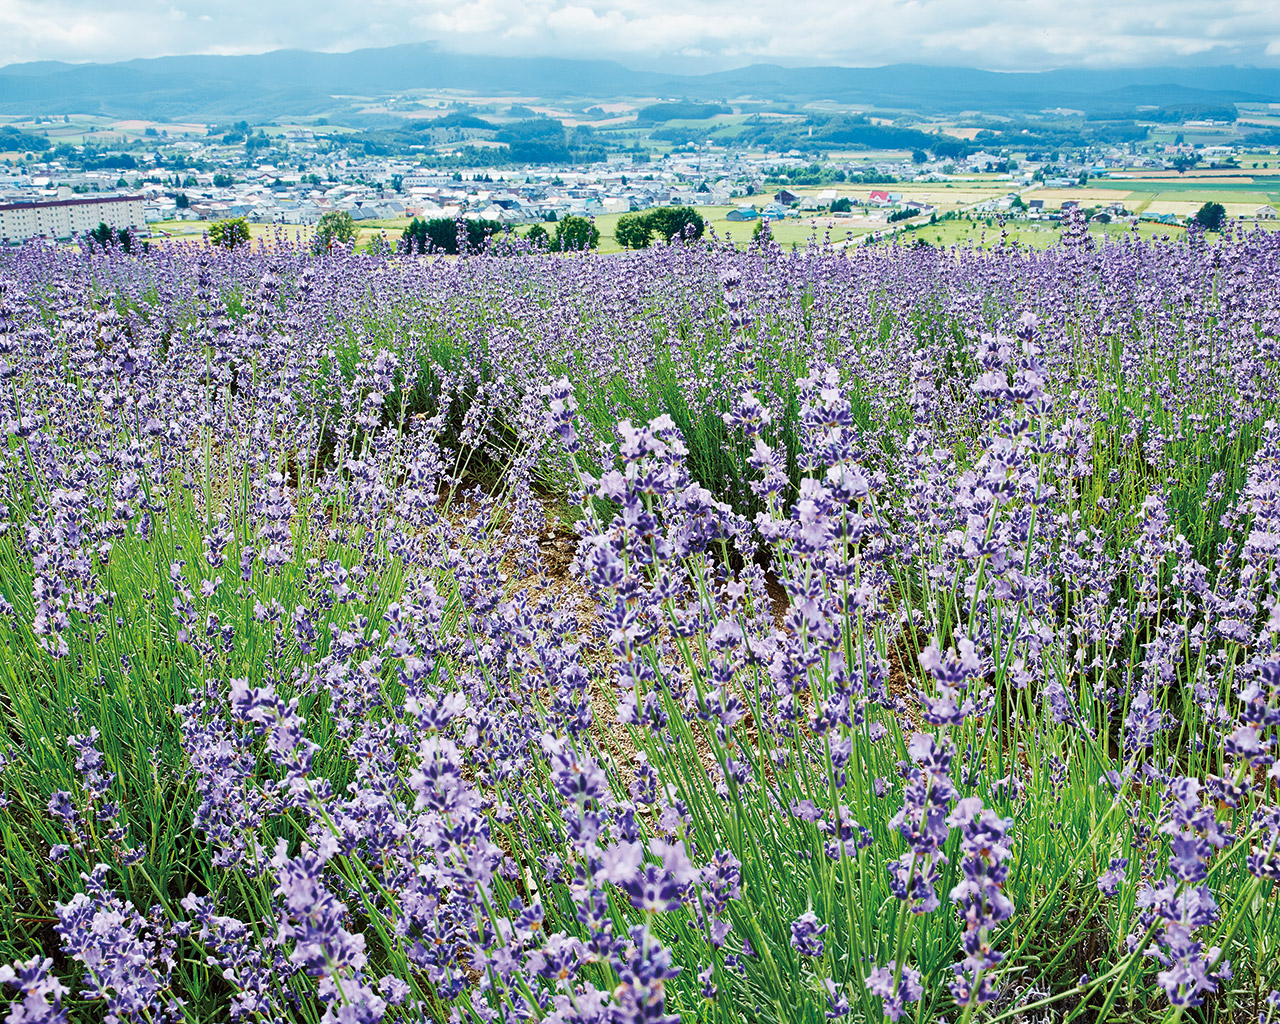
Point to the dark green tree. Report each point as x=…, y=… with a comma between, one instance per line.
x=227, y=234
x=440, y=234
x=104, y=236
x=575, y=234
x=335, y=227
x=433, y=235
x=1211, y=216
x=537, y=236
x=667, y=222
x=182, y=201
x=842, y=205
x=633, y=231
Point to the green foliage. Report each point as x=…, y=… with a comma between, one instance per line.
x=668, y=222
x=658, y=112
x=633, y=231
x=537, y=235
x=1211, y=216
x=379, y=245
x=227, y=234
x=1178, y=113
x=221, y=180
x=460, y=120
x=540, y=140
x=841, y=131
x=575, y=234
x=336, y=226
x=182, y=201
x=440, y=234
x=106, y=237
x=535, y=129
x=842, y=205
x=93, y=159
x=825, y=174
x=13, y=139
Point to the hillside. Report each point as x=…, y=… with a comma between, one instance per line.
x=295, y=83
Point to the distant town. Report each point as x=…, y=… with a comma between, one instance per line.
x=63, y=176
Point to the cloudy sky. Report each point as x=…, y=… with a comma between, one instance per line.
x=676, y=34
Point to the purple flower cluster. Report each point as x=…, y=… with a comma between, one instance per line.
x=615, y=640
x=128, y=959
x=38, y=997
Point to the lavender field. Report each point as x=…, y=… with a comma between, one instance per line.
x=702, y=635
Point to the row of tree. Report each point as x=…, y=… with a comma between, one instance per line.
x=104, y=236
x=443, y=235
x=572, y=234
x=446, y=235
x=638, y=230
x=433, y=235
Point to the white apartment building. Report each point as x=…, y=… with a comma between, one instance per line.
x=65, y=218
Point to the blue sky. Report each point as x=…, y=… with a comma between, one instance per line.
x=676, y=34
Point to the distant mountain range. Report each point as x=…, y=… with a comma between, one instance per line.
x=296, y=83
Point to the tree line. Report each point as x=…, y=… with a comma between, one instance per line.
x=638, y=230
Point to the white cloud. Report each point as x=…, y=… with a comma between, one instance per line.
x=1008, y=34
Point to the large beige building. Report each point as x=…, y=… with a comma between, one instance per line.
x=65, y=218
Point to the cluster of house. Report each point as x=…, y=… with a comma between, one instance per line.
x=1016, y=205
x=507, y=198
x=390, y=189
x=1258, y=213
x=877, y=203
x=376, y=189
x=53, y=201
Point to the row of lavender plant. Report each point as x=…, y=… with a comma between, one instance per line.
x=917, y=658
